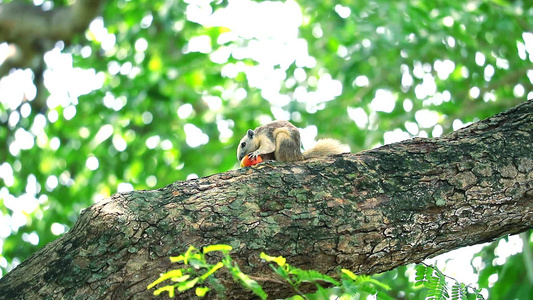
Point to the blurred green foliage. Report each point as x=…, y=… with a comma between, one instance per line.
x=169, y=108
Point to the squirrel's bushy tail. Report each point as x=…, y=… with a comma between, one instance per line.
x=324, y=147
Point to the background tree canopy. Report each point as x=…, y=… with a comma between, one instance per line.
x=158, y=91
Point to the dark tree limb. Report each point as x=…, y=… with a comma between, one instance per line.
x=30, y=31
x=368, y=212
x=23, y=22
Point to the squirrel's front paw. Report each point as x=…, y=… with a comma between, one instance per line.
x=253, y=156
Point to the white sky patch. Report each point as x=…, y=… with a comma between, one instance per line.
x=474, y=92
x=6, y=173
x=407, y=80
x=361, y=81
x=397, y=135
x=359, y=116
x=21, y=206
x=57, y=229
x=411, y=127
x=308, y=136
x=198, y=10
x=426, y=118
x=329, y=87
x=31, y=238
x=23, y=139
x=488, y=72
x=32, y=186
x=124, y=187
x=458, y=124
x=239, y=94
x=54, y=143
x=300, y=75
x=223, y=127
x=25, y=110
x=185, y=111
x=437, y=131
x=200, y=44
x=456, y=263
x=444, y=68
x=519, y=91
x=214, y=102
x=13, y=120
x=51, y=183
x=103, y=134
x=195, y=136
x=255, y=20
x=450, y=41
x=448, y=21
x=141, y=45
x=153, y=141
x=343, y=11
x=16, y=87
x=119, y=142
x=221, y=55
x=418, y=70
x=92, y=163
x=192, y=176
x=383, y=101
x=407, y=105
x=5, y=51
x=275, y=46
x=528, y=40
x=480, y=59
x=147, y=117
x=97, y=32
x=427, y=88
x=151, y=181
x=279, y=113
x=69, y=112
x=64, y=81
x=166, y=144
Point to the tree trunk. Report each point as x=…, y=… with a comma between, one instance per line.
x=368, y=212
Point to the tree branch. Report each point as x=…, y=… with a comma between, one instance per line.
x=22, y=22
x=35, y=31
x=368, y=212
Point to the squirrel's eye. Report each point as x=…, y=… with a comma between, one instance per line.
x=243, y=144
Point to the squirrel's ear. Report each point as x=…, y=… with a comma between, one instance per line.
x=250, y=134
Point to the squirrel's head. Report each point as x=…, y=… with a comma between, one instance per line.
x=247, y=145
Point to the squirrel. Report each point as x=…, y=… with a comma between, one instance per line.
x=280, y=140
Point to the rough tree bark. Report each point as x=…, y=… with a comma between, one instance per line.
x=368, y=212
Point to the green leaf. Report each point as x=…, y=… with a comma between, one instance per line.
x=349, y=274
x=165, y=276
x=168, y=288
x=379, y=283
x=280, y=260
x=251, y=285
x=223, y=248
x=177, y=258
x=181, y=278
x=183, y=286
x=201, y=291
x=190, y=253
x=211, y=271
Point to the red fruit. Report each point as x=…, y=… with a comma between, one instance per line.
x=246, y=161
